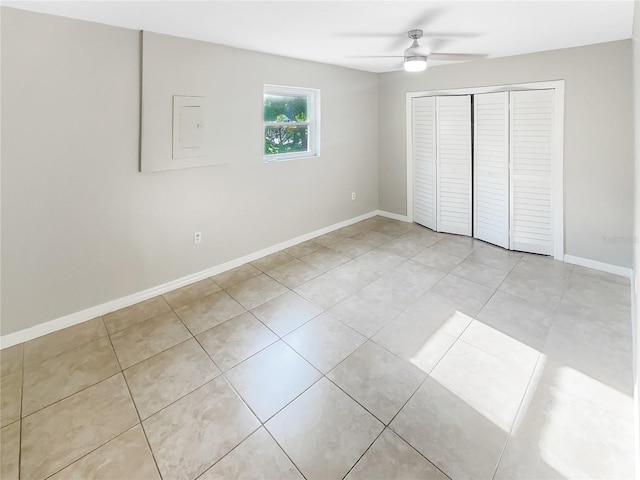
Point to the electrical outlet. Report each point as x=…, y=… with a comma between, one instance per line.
x=353, y=195
x=197, y=238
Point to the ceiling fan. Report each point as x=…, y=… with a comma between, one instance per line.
x=414, y=61
x=415, y=57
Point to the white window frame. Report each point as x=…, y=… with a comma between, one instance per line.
x=313, y=122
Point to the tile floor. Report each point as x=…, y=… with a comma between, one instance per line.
x=381, y=350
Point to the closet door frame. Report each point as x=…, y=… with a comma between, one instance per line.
x=558, y=141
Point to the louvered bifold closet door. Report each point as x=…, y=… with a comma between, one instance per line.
x=453, y=166
x=531, y=142
x=424, y=161
x=491, y=168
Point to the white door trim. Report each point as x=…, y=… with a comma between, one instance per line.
x=558, y=177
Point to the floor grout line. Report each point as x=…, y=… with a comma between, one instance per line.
x=365, y=452
x=20, y=416
x=377, y=275
x=515, y=418
x=284, y=451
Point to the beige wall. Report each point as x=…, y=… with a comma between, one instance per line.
x=636, y=248
x=81, y=226
x=598, y=136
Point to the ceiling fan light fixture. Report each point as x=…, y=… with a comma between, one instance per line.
x=416, y=63
x=413, y=61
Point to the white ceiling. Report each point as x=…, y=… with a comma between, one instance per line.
x=332, y=31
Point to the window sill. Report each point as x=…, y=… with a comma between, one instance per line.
x=287, y=157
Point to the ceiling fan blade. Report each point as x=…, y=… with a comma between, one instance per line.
x=427, y=18
x=446, y=35
x=374, y=56
x=456, y=57
x=438, y=57
x=368, y=35
x=403, y=38
x=423, y=21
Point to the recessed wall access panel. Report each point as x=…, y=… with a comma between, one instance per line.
x=188, y=127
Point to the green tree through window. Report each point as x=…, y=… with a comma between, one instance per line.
x=286, y=128
x=291, y=122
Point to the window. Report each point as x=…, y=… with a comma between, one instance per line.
x=291, y=123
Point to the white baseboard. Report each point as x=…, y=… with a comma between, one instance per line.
x=394, y=216
x=113, y=305
x=603, y=267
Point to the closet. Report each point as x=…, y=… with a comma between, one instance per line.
x=482, y=166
